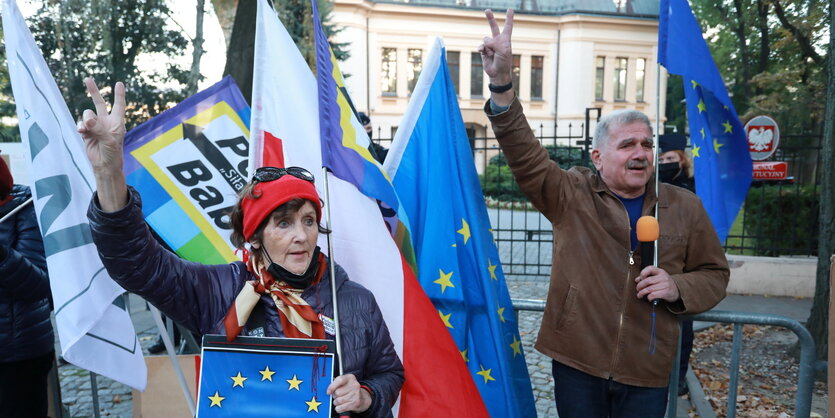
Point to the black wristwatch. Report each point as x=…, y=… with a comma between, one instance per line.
x=500, y=89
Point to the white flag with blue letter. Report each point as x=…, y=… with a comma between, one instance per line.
x=94, y=327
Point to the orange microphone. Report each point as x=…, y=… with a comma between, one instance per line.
x=647, y=232
x=647, y=229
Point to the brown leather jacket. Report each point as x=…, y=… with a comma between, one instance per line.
x=593, y=320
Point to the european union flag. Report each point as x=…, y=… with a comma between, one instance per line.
x=719, y=145
x=266, y=379
x=431, y=165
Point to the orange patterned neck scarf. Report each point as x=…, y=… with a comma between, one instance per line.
x=298, y=319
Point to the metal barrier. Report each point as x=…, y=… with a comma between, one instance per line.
x=805, y=377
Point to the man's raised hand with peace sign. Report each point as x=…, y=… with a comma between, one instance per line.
x=497, y=56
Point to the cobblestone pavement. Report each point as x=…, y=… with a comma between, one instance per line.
x=115, y=399
x=539, y=365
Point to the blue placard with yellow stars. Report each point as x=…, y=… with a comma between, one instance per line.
x=260, y=377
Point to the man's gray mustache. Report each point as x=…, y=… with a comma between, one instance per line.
x=637, y=164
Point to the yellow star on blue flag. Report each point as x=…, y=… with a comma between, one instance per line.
x=516, y=346
x=464, y=231
x=444, y=280
x=485, y=374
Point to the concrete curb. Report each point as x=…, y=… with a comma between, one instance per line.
x=697, y=396
x=772, y=276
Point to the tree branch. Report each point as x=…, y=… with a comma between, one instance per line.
x=802, y=40
x=765, y=42
x=743, y=48
x=197, y=53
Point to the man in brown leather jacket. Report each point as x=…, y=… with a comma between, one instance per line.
x=612, y=349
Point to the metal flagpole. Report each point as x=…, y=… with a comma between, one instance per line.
x=169, y=347
x=672, y=398
x=15, y=210
x=331, y=267
x=657, y=148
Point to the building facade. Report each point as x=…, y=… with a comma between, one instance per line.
x=571, y=58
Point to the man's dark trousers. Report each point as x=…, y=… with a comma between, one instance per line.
x=23, y=387
x=579, y=394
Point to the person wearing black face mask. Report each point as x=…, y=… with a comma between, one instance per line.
x=378, y=151
x=674, y=165
x=675, y=168
x=281, y=288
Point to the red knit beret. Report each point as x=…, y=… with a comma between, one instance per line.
x=6, y=180
x=272, y=194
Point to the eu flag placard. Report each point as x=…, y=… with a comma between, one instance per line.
x=265, y=377
x=720, y=148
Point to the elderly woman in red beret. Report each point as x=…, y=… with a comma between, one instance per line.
x=282, y=289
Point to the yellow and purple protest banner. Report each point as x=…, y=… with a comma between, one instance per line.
x=189, y=163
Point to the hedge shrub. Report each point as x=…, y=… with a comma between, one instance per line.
x=784, y=220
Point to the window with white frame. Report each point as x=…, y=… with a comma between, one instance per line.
x=388, y=73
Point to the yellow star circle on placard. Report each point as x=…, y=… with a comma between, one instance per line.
x=238, y=380
x=294, y=383
x=313, y=405
x=216, y=400
x=266, y=374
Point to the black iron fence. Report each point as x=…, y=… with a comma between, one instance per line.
x=779, y=218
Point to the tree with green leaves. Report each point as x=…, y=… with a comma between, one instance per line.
x=818, y=322
x=777, y=60
x=8, y=133
x=295, y=15
x=113, y=41
x=770, y=53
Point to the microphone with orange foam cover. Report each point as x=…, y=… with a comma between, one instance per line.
x=647, y=232
x=647, y=229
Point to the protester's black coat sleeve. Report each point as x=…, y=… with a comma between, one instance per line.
x=194, y=295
